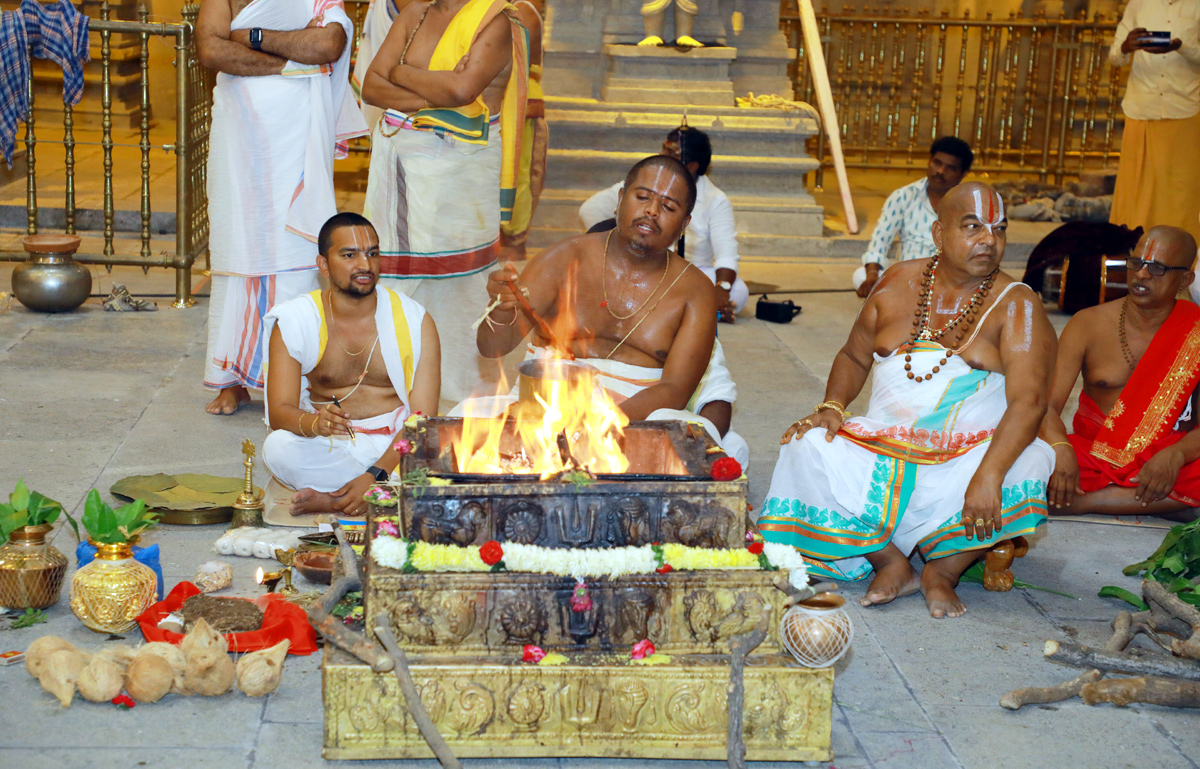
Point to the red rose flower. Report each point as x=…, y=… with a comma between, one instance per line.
x=755, y=547
x=532, y=654
x=726, y=469
x=491, y=553
x=666, y=568
x=124, y=701
x=642, y=649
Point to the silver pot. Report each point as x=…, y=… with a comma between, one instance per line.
x=50, y=280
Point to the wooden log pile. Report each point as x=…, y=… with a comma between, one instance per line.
x=1170, y=677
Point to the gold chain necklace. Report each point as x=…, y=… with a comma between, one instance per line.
x=1125, y=342
x=333, y=333
x=604, y=283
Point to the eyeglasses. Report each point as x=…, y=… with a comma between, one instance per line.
x=1157, y=269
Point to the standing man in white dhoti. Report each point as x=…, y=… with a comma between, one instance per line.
x=451, y=77
x=947, y=458
x=376, y=24
x=281, y=112
x=348, y=365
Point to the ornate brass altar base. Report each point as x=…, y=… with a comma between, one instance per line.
x=604, y=707
x=482, y=614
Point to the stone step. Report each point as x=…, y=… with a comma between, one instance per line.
x=592, y=706
x=492, y=615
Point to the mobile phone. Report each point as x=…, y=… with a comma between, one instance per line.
x=1156, y=39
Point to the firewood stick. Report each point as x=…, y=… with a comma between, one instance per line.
x=412, y=698
x=1085, y=657
x=335, y=631
x=1182, y=616
x=739, y=647
x=1151, y=690
x=1124, y=629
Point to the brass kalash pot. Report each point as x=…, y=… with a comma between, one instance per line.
x=545, y=380
x=31, y=571
x=51, y=280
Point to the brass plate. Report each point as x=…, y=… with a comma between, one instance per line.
x=196, y=517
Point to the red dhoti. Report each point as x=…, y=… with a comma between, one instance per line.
x=1095, y=473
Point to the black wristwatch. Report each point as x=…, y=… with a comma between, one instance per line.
x=380, y=474
x=256, y=38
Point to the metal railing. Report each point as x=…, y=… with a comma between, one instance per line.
x=190, y=147
x=1030, y=95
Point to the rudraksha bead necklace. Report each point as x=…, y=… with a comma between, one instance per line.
x=921, y=329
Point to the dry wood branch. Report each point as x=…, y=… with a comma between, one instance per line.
x=739, y=647
x=1151, y=690
x=336, y=632
x=1169, y=612
x=1085, y=657
x=412, y=698
x=1124, y=629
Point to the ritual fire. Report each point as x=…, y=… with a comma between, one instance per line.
x=561, y=422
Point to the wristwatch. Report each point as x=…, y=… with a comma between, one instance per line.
x=256, y=38
x=380, y=474
x=724, y=285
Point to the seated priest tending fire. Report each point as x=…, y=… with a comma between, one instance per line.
x=347, y=366
x=622, y=302
x=1135, y=442
x=946, y=459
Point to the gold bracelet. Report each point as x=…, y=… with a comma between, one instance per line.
x=835, y=406
x=1062, y=443
x=300, y=425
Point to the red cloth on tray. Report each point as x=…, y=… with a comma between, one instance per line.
x=281, y=619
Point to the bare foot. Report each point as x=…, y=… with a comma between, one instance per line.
x=893, y=580
x=307, y=501
x=228, y=400
x=940, y=597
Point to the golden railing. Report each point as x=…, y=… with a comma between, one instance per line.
x=1030, y=95
x=190, y=148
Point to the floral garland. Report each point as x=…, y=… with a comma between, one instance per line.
x=391, y=551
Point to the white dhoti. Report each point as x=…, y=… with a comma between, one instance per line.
x=270, y=185
x=323, y=463
x=327, y=464
x=900, y=473
x=623, y=380
x=435, y=203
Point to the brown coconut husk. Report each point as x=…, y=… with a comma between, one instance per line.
x=173, y=656
x=150, y=678
x=60, y=672
x=101, y=680
x=259, y=673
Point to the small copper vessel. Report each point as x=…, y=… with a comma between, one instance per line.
x=31, y=571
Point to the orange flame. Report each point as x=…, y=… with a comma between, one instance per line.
x=569, y=403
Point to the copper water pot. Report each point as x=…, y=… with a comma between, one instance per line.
x=51, y=280
x=31, y=572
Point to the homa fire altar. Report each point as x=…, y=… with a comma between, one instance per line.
x=567, y=583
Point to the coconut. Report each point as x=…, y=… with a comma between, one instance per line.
x=150, y=678
x=120, y=654
x=40, y=650
x=203, y=643
x=259, y=673
x=101, y=680
x=60, y=672
x=172, y=655
x=209, y=676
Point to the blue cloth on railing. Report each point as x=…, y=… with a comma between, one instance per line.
x=85, y=553
x=56, y=32
x=59, y=33
x=14, y=79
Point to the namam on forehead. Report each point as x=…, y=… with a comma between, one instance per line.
x=1167, y=245
x=356, y=238
x=973, y=200
x=658, y=180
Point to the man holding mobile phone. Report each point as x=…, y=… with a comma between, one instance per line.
x=1158, y=180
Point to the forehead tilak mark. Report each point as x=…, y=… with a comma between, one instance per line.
x=994, y=213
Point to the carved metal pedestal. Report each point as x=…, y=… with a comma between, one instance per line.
x=500, y=707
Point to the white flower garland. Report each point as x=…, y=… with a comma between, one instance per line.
x=393, y=553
